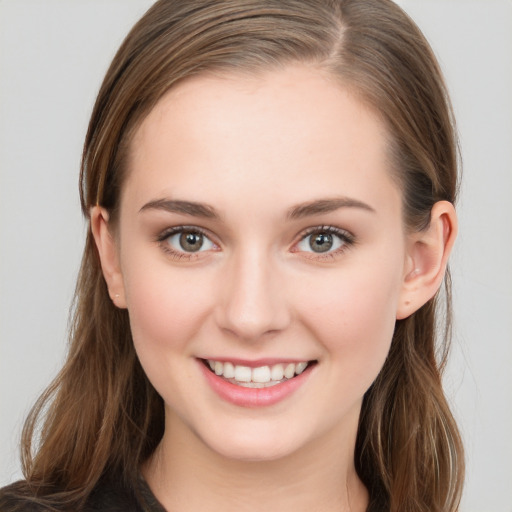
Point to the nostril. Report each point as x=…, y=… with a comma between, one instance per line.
x=251, y=304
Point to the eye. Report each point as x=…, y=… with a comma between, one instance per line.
x=183, y=241
x=322, y=240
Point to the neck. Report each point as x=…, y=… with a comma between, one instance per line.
x=184, y=474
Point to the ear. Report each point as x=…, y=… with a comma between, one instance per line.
x=109, y=257
x=427, y=257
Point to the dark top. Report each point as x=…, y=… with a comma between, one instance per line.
x=108, y=496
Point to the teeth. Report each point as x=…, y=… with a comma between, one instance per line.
x=229, y=371
x=261, y=376
x=289, y=371
x=242, y=373
x=277, y=372
x=300, y=367
x=258, y=385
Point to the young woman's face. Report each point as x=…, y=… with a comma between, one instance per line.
x=260, y=232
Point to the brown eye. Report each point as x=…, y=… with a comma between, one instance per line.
x=321, y=242
x=191, y=241
x=325, y=240
x=187, y=240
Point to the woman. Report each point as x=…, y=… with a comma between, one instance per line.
x=270, y=189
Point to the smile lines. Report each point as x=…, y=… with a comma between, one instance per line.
x=260, y=377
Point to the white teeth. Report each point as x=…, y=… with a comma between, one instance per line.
x=300, y=367
x=261, y=376
x=258, y=385
x=289, y=371
x=277, y=372
x=229, y=371
x=243, y=374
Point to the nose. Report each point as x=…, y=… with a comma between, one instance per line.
x=253, y=301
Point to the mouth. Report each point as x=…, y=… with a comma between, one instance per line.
x=257, y=377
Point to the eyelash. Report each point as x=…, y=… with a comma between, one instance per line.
x=346, y=238
x=181, y=255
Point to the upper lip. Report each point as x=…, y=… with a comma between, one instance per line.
x=256, y=363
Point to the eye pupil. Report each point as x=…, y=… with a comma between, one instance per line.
x=321, y=242
x=191, y=241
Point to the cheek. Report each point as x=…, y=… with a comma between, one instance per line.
x=353, y=316
x=166, y=308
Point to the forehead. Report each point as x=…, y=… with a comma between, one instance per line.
x=293, y=127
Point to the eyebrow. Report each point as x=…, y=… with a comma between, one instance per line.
x=186, y=207
x=325, y=206
x=299, y=211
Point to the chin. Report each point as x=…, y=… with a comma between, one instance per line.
x=248, y=446
x=254, y=453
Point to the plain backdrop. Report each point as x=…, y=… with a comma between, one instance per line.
x=53, y=55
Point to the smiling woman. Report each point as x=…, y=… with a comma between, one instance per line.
x=270, y=189
x=275, y=271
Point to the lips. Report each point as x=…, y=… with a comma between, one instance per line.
x=257, y=385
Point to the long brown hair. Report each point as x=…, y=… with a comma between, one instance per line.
x=101, y=415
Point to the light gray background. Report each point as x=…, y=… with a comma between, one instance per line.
x=53, y=54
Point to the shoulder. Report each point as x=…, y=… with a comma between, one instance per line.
x=109, y=495
x=16, y=498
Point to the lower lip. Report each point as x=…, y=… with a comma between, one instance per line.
x=254, y=397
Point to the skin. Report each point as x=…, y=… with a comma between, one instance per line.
x=254, y=149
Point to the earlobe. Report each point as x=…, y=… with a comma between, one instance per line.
x=108, y=253
x=427, y=257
